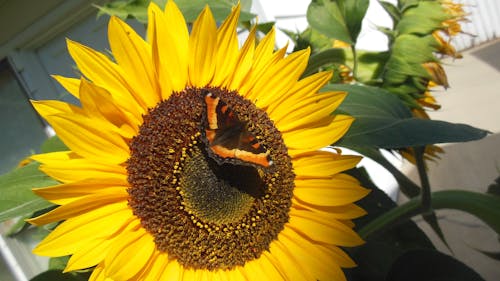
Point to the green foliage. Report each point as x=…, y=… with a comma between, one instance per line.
x=53, y=144
x=125, y=9
x=137, y=9
x=339, y=19
x=400, y=66
x=383, y=121
x=17, y=198
x=220, y=9
x=483, y=206
x=58, y=275
x=58, y=263
x=326, y=57
x=422, y=19
x=376, y=256
x=392, y=10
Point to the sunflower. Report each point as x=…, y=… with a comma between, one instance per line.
x=192, y=158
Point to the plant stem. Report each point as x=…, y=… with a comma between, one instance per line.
x=424, y=179
x=483, y=206
x=355, y=63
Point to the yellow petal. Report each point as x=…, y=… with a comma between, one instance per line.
x=283, y=75
x=170, y=44
x=263, y=267
x=155, y=20
x=259, y=72
x=244, y=64
x=64, y=167
x=52, y=107
x=129, y=254
x=348, y=211
x=318, y=263
x=90, y=138
x=65, y=193
x=234, y=274
x=321, y=164
x=227, y=48
x=156, y=269
x=324, y=230
x=309, y=111
x=98, y=103
x=322, y=135
x=340, y=257
x=90, y=254
x=72, y=85
x=286, y=262
x=98, y=274
x=81, y=206
x=134, y=57
x=305, y=87
x=102, y=72
x=202, y=47
x=264, y=50
x=328, y=192
x=173, y=271
x=75, y=232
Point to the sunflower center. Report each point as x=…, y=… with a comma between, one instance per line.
x=210, y=178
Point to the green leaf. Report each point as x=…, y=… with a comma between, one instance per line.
x=325, y=57
x=494, y=188
x=339, y=19
x=57, y=275
x=406, y=186
x=17, y=198
x=138, y=9
x=53, y=144
x=58, y=263
x=126, y=9
x=370, y=65
x=327, y=18
x=220, y=9
x=18, y=226
x=417, y=265
x=383, y=121
x=354, y=11
x=392, y=10
x=265, y=27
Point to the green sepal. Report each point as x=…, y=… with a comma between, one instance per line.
x=422, y=19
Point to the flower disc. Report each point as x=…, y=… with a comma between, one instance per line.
x=175, y=184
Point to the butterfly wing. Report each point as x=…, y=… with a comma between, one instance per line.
x=228, y=138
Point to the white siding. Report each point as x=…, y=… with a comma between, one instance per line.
x=483, y=24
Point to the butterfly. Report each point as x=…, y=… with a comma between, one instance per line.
x=227, y=138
